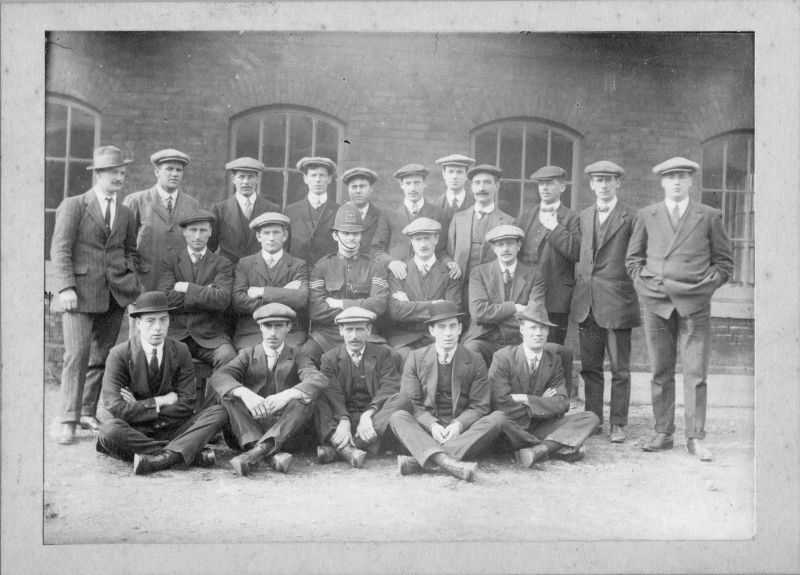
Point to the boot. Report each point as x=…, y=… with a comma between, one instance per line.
x=353, y=456
x=280, y=461
x=206, y=458
x=144, y=464
x=408, y=465
x=247, y=461
x=325, y=454
x=462, y=470
x=527, y=456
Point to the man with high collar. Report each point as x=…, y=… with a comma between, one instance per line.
x=427, y=282
x=552, y=244
x=312, y=217
x=679, y=254
x=232, y=236
x=148, y=397
x=352, y=413
x=95, y=260
x=271, y=275
x=605, y=304
x=158, y=211
x=360, y=183
x=198, y=285
x=449, y=390
x=268, y=391
x=454, y=173
x=527, y=382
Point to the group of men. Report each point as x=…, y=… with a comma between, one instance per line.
x=432, y=328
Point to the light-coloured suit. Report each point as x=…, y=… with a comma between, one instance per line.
x=459, y=237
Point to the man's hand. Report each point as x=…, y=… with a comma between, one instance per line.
x=294, y=284
x=452, y=431
x=455, y=270
x=399, y=269
x=341, y=436
x=400, y=296
x=277, y=402
x=437, y=432
x=181, y=287
x=169, y=399
x=520, y=307
x=366, y=430
x=254, y=403
x=334, y=303
x=68, y=299
x=520, y=398
x=255, y=292
x=127, y=395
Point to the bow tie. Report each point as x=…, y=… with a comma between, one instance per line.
x=603, y=208
x=547, y=210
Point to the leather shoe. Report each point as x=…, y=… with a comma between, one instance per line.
x=144, y=464
x=660, y=442
x=617, y=434
x=325, y=454
x=66, y=434
x=352, y=455
x=244, y=463
x=570, y=454
x=527, y=456
x=374, y=448
x=460, y=469
x=280, y=461
x=90, y=422
x=598, y=430
x=408, y=465
x=696, y=447
x=206, y=458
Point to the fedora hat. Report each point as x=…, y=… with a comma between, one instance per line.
x=443, y=310
x=535, y=311
x=150, y=302
x=107, y=157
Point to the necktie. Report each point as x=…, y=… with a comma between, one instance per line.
x=443, y=359
x=356, y=357
x=507, y=281
x=480, y=213
x=153, y=367
x=248, y=208
x=534, y=365
x=676, y=217
x=169, y=205
x=603, y=209
x=545, y=210
x=454, y=204
x=425, y=269
x=108, y=214
x=272, y=359
x=271, y=261
x=414, y=209
x=197, y=257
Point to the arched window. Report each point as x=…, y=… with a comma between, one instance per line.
x=520, y=146
x=72, y=132
x=281, y=135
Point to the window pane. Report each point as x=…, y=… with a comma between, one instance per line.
x=56, y=130
x=80, y=179
x=736, y=169
x=274, y=151
x=712, y=164
x=511, y=151
x=272, y=187
x=561, y=153
x=327, y=141
x=509, y=198
x=536, y=149
x=49, y=226
x=246, y=136
x=530, y=196
x=486, y=147
x=82, y=134
x=53, y=183
x=297, y=189
x=299, y=138
x=713, y=199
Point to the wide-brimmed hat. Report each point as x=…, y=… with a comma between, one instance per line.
x=107, y=157
x=443, y=310
x=150, y=302
x=535, y=311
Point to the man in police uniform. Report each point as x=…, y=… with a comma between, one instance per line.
x=270, y=275
x=341, y=280
x=456, y=196
x=360, y=182
x=352, y=413
x=312, y=217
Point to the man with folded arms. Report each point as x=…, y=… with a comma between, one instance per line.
x=267, y=391
x=449, y=391
x=148, y=397
x=454, y=173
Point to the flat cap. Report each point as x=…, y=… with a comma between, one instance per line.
x=364, y=173
x=270, y=218
x=411, y=170
x=246, y=164
x=305, y=164
x=195, y=216
x=676, y=165
x=485, y=169
x=274, y=312
x=169, y=155
x=548, y=173
x=355, y=314
x=422, y=226
x=503, y=232
x=535, y=311
x=348, y=219
x=456, y=160
x=603, y=168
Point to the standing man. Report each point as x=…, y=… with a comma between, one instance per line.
x=679, y=254
x=95, y=260
x=456, y=197
x=449, y=390
x=312, y=217
x=157, y=212
x=552, y=244
x=360, y=182
x=198, y=284
x=605, y=304
x=232, y=236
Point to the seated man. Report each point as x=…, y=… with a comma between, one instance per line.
x=198, y=286
x=148, y=396
x=527, y=383
x=352, y=413
x=449, y=390
x=427, y=282
x=271, y=275
x=267, y=391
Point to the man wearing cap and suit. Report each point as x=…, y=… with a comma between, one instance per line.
x=352, y=412
x=428, y=281
x=268, y=391
x=527, y=382
x=679, y=254
x=605, y=304
x=312, y=217
x=552, y=244
x=148, y=397
x=360, y=182
x=198, y=285
x=271, y=275
x=232, y=236
x=95, y=261
x=157, y=212
x=449, y=391
x=341, y=280
x=456, y=197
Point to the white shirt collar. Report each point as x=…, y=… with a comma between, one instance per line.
x=554, y=206
x=316, y=200
x=410, y=207
x=191, y=253
x=148, y=350
x=163, y=194
x=487, y=210
x=242, y=199
x=360, y=354
x=682, y=205
x=419, y=263
x=611, y=205
x=101, y=198
x=270, y=352
x=448, y=356
x=512, y=268
x=275, y=257
x=364, y=211
x=460, y=196
x=530, y=355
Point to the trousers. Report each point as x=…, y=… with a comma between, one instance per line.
x=326, y=423
x=277, y=427
x=571, y=430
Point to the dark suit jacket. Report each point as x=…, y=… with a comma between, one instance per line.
x=376, y=231
x=382, y=377
x=126, y=367
x=158, y=236
x=459, y=236
x=679, y=270
x=442, y=203
x=200, y=309
x=603, y=284
x=408, y=317
x=86, y=258
x=492, y=316
x=470, y=386
x=232, y=235
x=311, y=242
x=249, y=368
x=554, y=253
x=510, y=374
x=399, y=243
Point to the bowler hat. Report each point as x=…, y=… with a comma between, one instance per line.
x=107, y=157
x=305, y=164
x=270, y=218
x=355, y=314
x=485, y=169
x=197, y=216
x=169, y=155
x=150, y=302
x=348, y=219
x=441, y=310
x=535, y=311
x=364, y=173
x=274, y=312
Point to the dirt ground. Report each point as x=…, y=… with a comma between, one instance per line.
x=617, y=492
